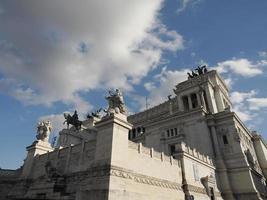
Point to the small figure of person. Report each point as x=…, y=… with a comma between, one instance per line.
x=204, y=69
x=75, y=116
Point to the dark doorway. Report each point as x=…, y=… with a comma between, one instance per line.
x=212, y=197
x=172, y=149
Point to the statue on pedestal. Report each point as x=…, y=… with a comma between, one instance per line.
x=73, y=120
x=200, y=70
x=95, y=114
x=115, y=102
x=44, y=129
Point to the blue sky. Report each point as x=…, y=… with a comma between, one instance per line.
x=64, y=55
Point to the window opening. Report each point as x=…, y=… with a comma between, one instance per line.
x=172, y=149
x=194, y=100
x=225, y=140
x=186, y=103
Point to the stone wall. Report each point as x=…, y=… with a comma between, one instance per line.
x=165, y=108
x=149, y=175
x=66, y=160
x=153, y=163
x=7, y=180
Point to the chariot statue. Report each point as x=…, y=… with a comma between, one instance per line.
x=73, y=120
x=200, y=70
x=44, y=129
x=95, y=114
x=115, y=103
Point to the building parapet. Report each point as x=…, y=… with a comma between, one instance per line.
x=69, y=158
x=163, y=108
x=256, y=136
x=150, y=152
x=194, y=153
x=199, y=80
x=9, y=173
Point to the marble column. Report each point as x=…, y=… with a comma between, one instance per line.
x=199, y=101
x=220, y=165
x=189, y=102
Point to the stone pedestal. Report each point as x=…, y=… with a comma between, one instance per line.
x=38, y=147
x=112, y=140
x=89, y=123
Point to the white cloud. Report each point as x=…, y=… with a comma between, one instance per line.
x=55, y=49
x=240, y=97
x=229, y=82
x=240, y=106
x=149, y=86
x=241, y=66
x=246, y=103
x=263, y=54
x=174, y=40
x=184, y=4
x=257, y=103
x=163, y=85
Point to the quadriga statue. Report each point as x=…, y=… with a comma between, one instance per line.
x=44, y=129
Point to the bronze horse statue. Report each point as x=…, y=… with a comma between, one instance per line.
x=73, y=120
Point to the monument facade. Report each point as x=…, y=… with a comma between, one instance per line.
x=192, y=146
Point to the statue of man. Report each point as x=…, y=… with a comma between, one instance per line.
x=204, y=69
x=199, y=70
x=73, y=120
x=121, y=103
x=75, y=116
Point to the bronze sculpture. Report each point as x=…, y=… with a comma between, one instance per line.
x=200, y=70
x=73, y=120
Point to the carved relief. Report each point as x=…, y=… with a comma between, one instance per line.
x=145, y=179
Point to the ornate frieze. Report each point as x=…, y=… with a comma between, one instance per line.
x=105, y=171
x=139, y=178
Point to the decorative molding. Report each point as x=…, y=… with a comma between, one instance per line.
x=106, y=171
x=223, y=131
x=200, y=190
x=196, y=189
x=139, y=178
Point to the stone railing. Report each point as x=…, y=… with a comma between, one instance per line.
x=193, y=152
x=69, y=158
x=150, y=152
x=9, y=173
x=165, y=107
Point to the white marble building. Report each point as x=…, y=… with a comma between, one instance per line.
x=189, y=147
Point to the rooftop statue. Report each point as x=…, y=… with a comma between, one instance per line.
x=73, y=120
x=189, y=75
x=115, y=102
x=44, y=129
x=95, y=114
x=194, y=74
x=200, y=70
